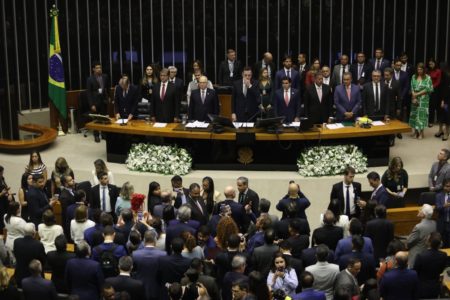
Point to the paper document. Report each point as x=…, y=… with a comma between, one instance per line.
x=160, y=125
x=378, y=123
x=244, y=124
x=293, y=124
x=335, y=126
x=122, y=121
x=197, y=124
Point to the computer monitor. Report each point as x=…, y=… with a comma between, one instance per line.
x=219, y=122
x=272, y=125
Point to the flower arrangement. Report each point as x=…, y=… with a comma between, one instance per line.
x=169, y=160
x=137, y=201
x=330, y=160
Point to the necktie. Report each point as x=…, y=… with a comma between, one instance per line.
x=241, y=198
x=377, y=67
x=289, y=73
x=103, y=198
x=244, y=90
x=377, y=97
x=342, y=74
x=319, y=93
x=203, y=96
x=397, y=75
x=100, y=81
x=349, y=93
x=359, y=71
x=231, y=66
x=286, y=97
x=347, y=200
x=163, y=91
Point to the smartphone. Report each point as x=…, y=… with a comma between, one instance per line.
x=140, y=216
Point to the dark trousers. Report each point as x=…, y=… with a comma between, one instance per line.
x=445, y=233
x=433, y=107
x=100, y=110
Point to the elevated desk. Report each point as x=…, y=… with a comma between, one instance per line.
x=268, y=151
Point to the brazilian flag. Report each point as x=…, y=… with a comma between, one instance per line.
x=56, y=87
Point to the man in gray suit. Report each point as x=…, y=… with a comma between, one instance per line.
x=417, y=239
x=339, y=70
x=263, y=255
x=440, y=170
x=347, y=277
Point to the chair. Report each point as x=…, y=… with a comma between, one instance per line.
x=427, y=198
x=143, y=110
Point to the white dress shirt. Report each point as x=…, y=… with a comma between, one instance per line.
x=351, y=190
x=107, y=201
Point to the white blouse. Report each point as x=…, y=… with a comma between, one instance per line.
x=77, y=229
x=48, y=235
x=14, y=230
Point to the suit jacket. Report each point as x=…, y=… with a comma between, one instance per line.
x=368, y=97
x=66, y=198
x=175, y=231
x=146, y=264
x=126, y=104
x=443, y=173
x=344, y=246
x=237, y=212
x=223, y=262
x=123, y=283
x=309, y=256
x=227, y=283
x=37, y=204
x=113, y=194
x=366, y=73
x=95, y=98
x=262, y=258
x=368, y=265
x=302, y=204
x=36, y=287
x=309, y=294
x=197, y=214
x=329, y=235
x=383, y=64
x=344, y=105
x=338, y=192
x=399, y=284
x=171, y=269
x=25, y=250
x=381, y=232
x=165, y=110
x=84, y=278
x=299, y=243
x=317, y=111
x=404, y=82
x=442, y=212
x=223, y=75
x=417, y=239
x=259, y=65
x=253, y=197
x=394, y=97
x=57, y=262
x=295, y=78
x=243, y=106
x=344, y=279
x=381, y=196
x=290, y=111
x=429, y=265
x=199, y=110
x=336, y=75
x=179, y=200
x=282, y=227
x=179, y=84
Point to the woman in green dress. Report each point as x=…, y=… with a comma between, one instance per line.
x=421, y=87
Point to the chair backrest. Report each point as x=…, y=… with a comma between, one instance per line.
x=143, y=110
x=427, y=198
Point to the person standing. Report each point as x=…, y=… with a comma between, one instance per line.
x=436, y=78
x=245, y=99
x=204, y=101
x=229, y=69
x=317, y=100
x=126, y=98
x=347, y=99
x=165, y=101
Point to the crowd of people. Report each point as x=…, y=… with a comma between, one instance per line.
x=376, y=88
x=198, y=243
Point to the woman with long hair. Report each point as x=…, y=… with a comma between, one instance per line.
x=421, y=88
x=395, y=180
x=124, y=199
x=154, y=195
x=435, y=74
x=282, y=276
x=61, y=169
x=14, y=225
x=225, y=228
x=149, y=79
x=209, y=194
x=265, y=86
x=25, y=183
x=35, y=165
x=191, y=249
x=100, y=166
x=315, y=67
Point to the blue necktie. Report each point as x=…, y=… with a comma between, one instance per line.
x=347, y=201
x=104, y=198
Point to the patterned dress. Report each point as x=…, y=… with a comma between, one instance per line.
x=419, y=113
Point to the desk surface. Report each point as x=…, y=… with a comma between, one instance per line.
x=174, y=130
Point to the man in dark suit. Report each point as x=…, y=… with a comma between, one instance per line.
x=380, y=231
x=237, y=209
x=25, y=250
x=294, y=195
x=375, y=97
x=298, y=241
x=429, y=266
x=286, y=101
x=57, y=260
x=379, y=62
x=83, y=275
x=97, y=89
x=247, y=196
x=126, y=98
x=329, y=234
x=379, y=193
x=289, y=72
x=263, y=255
x=402, y=78
x=265, y=63
x=178, y=82
x=224, y=258
x=394, y=94
x=347, y=193
x=361, y=70
x=302, y=68
x=146, y=262
x=345, y=246
x=406, y=66
x=104, y=195
x=245, y=99
x=165, y=103
x=203, y=101
x=347, y=278
x=347, y=99
x=229, y=69
x=198, y=207
x=443, y=209
x=400, y=282
x=124, y=283
x=36, y=287
x=174, y=231
x=37, y=199
x=317, y=101
x=337, y=77
x=66, y=198
x=182, y=193
x=172, y=268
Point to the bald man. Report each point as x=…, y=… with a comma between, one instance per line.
x=203, y=101
x=294, y=198
x=265, y=62
x=237, y=210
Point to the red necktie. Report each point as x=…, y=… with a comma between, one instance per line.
x=286, y=97
x=163, y=91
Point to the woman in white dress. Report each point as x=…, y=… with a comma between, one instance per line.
x=14, y=225
x=49, y=230
x=80, y=224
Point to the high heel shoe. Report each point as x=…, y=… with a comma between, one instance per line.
x=445, y=137
x=439, y=134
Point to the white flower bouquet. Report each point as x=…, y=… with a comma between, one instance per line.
x=169, y=160
x=330, y=160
